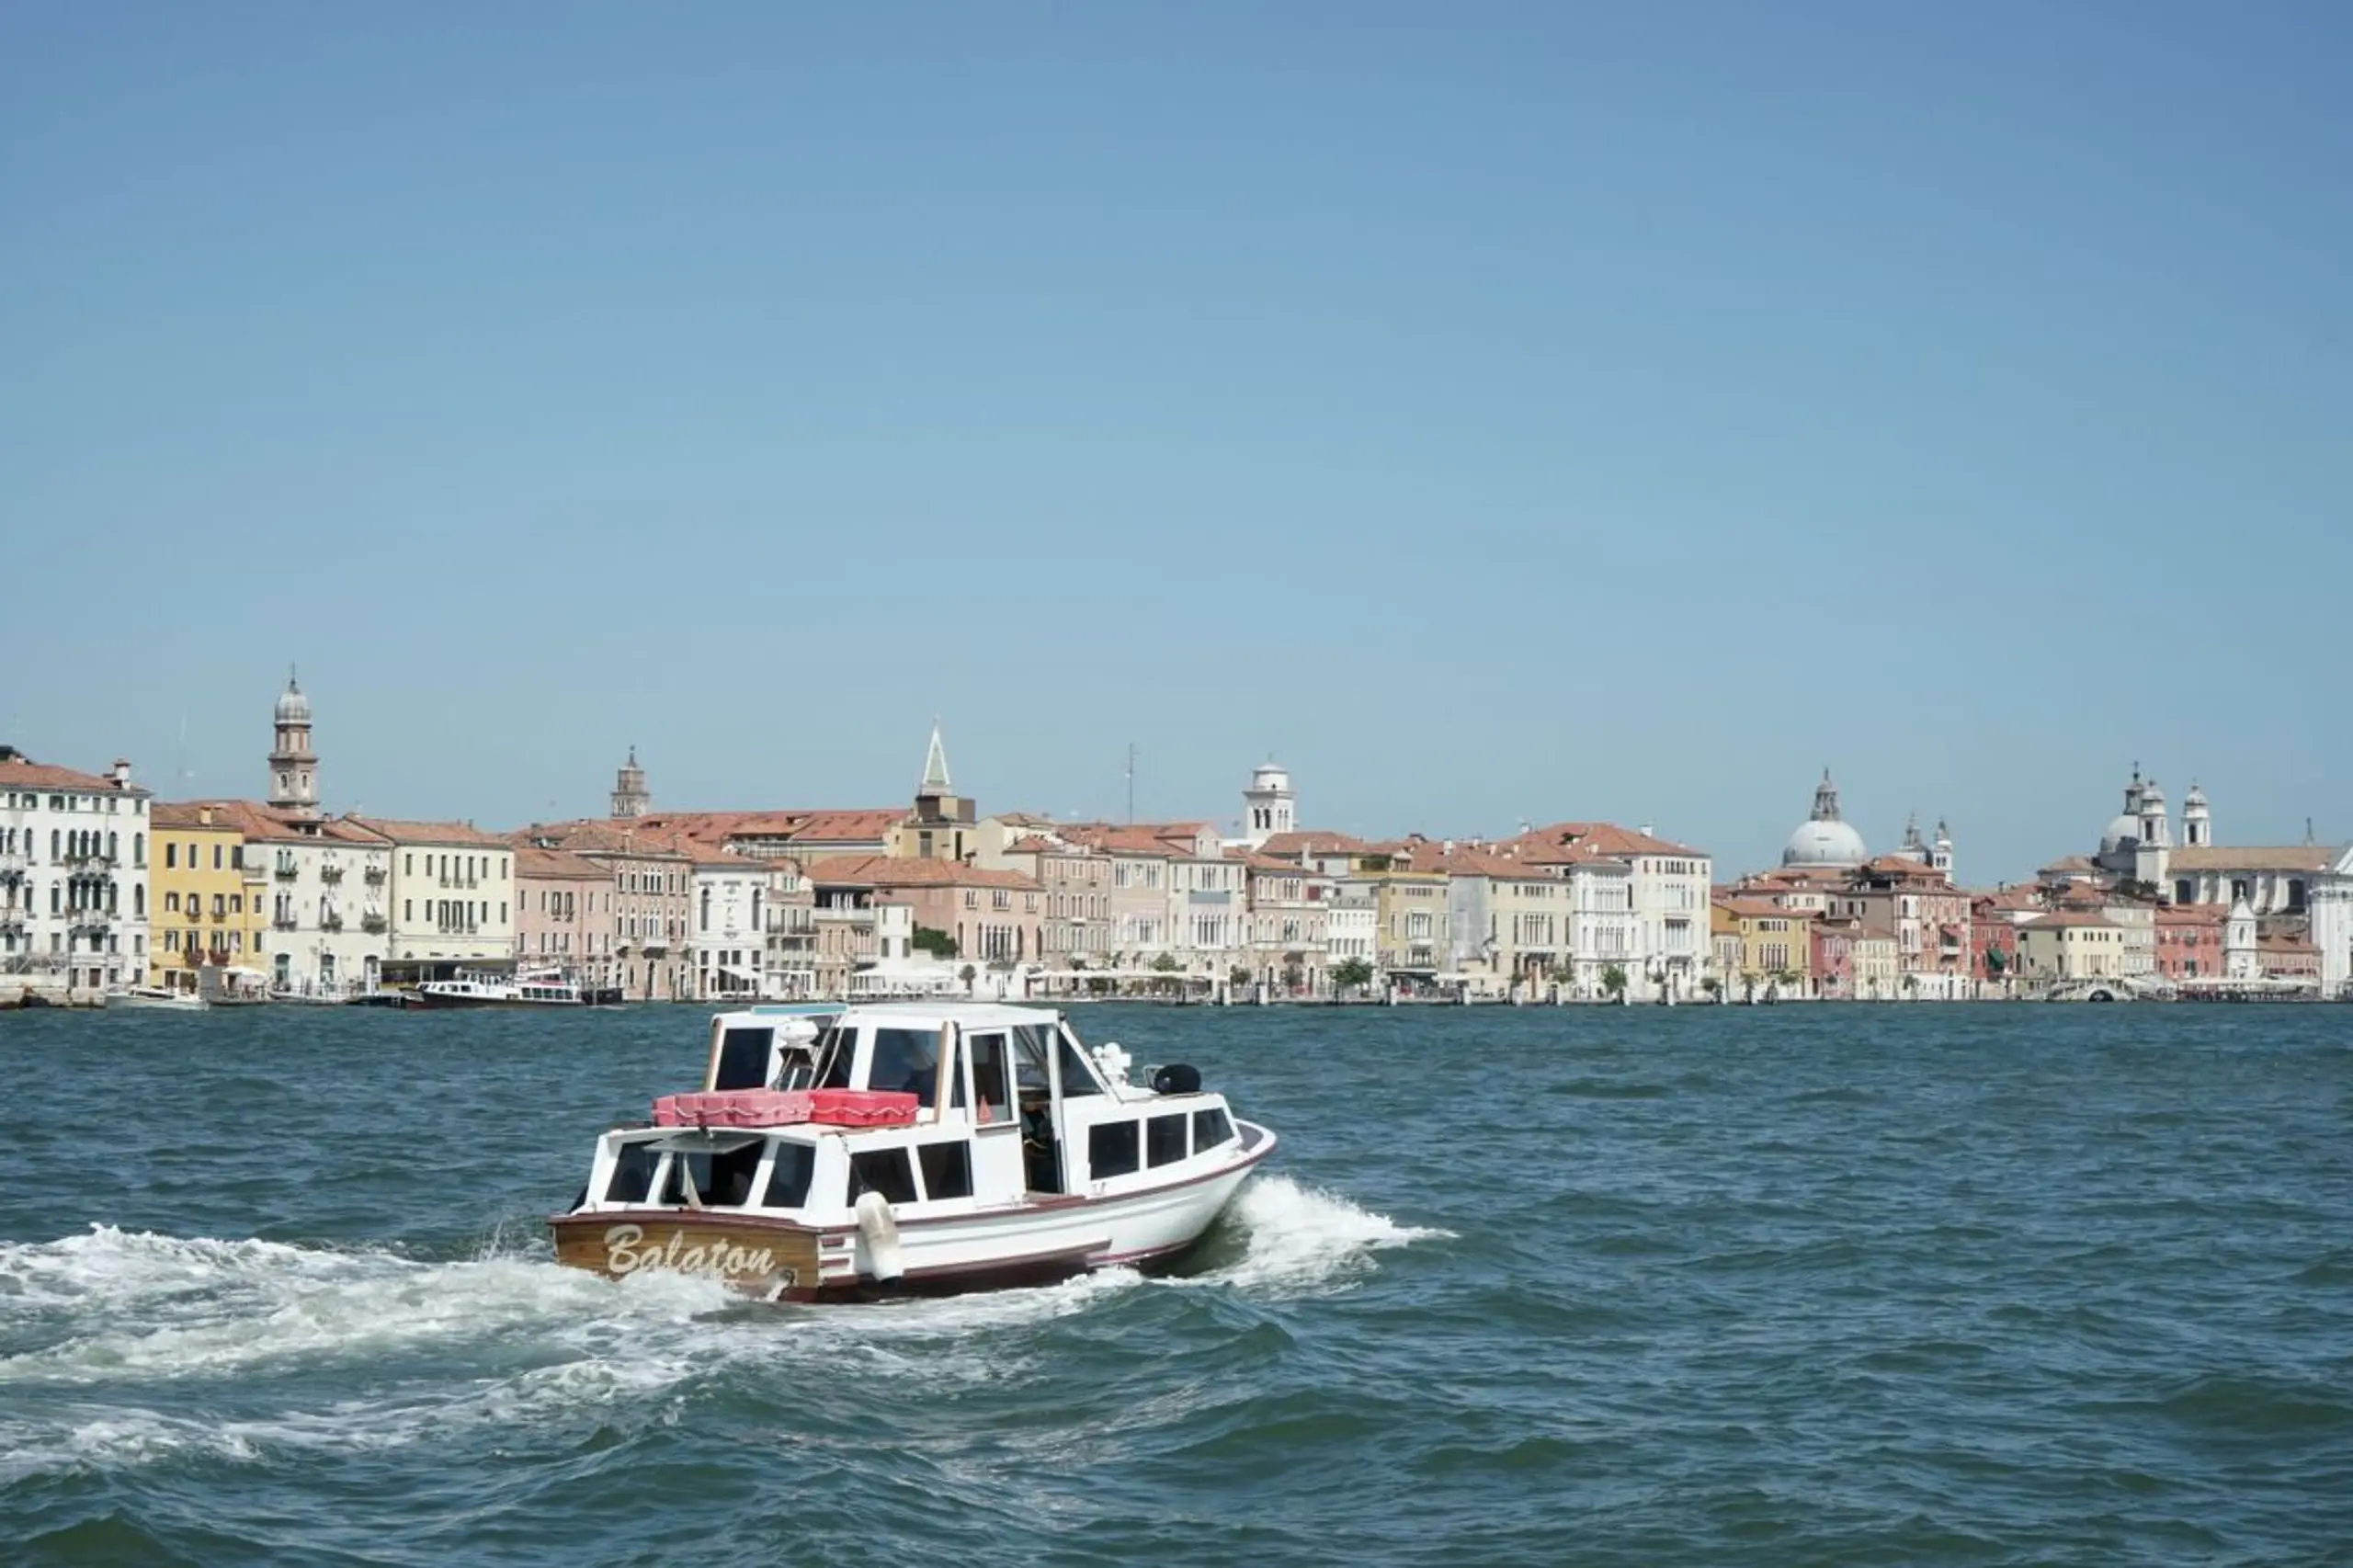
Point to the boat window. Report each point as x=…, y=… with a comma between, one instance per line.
x=788, y=1179
x=1029, y=1061
x=1110, y=1149
x=837, y=1048
x=731, y=1174
x=1210, y=1129
x=989, y=1084
x=742, y=1059
x=947, y=1168
x=1164, y=1140
x=632, y=1173
x=1078, y=1077
x=886, y=1171
x=906, y=1061
x=685, y=1168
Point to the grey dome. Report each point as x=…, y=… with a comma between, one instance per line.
x=293, y=708
x=1824, y=844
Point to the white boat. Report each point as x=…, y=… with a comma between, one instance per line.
x=909, y=1148
x=473, y=989
x=156, y=996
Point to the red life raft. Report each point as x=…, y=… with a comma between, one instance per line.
x=786, y=1108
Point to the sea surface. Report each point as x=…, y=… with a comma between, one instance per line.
x=1902, y=1285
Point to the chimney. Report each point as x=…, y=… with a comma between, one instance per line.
x=122, y=773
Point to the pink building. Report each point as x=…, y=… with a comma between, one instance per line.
x=2189, y=940
x=563, y=912
x=993, y=917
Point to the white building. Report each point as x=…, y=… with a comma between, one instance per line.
x=1351, y=930
x=1602, y=931
x=727, y=910
x=452, y=894
x=73, y=876
x=324, y=878
x=1668, y=892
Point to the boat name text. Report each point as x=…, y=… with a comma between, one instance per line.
x=626, y=1253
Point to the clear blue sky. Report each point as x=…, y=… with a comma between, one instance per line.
x=1494, y=411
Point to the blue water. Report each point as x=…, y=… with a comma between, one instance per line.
x=1894, y=1285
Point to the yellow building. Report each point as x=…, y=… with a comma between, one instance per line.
x=202, y=913
x=1776, y=945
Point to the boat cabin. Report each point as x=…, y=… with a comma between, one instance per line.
x=949, y=1107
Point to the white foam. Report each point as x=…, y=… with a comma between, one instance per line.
x=1302, y=1240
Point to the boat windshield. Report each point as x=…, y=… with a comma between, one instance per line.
x=906, y=1061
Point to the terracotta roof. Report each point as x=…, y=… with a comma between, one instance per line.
x=1310, y=841
x=265, y=824
x=2192, y=914
x=2284, y=858
x=2285, y=942
x=2068, y=865
x=1031, y=844
x=848, y=827
x=192, y=817
x=887, y=871
x=2072, y=921
x=23, y=773
x=555, y=864
x=595, y=835
x=1538, y=844
x=1484, y=863
x=1760, y=909
x=435, y=833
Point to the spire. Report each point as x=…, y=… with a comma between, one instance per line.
x=1825, y=799
x=934, y=767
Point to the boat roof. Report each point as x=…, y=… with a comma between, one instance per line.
x=930, y=1014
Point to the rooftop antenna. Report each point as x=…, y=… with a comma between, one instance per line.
x=1131, y=783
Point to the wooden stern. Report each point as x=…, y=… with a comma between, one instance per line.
x=774, y=1262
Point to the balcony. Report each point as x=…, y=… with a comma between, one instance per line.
x=331, y=922
x=330, y=871
x=372, y=923
x=460, y=880
x=284, y=870
x=13, y=919
x=460, y=929
x=374, y=875
x=282, y=922
x=12, y=865
x=87, y=919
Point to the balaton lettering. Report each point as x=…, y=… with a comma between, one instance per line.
x=626, y=1253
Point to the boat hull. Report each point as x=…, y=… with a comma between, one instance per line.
x=1034, y=1243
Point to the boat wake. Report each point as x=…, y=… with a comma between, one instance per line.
x=269, y=1347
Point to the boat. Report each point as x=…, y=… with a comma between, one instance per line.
x=162, y=996
x=469, y=989
x=865, y=1152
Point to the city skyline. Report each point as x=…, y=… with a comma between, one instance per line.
x=1615, y=413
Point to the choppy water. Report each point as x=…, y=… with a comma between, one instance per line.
x=1606, y=1286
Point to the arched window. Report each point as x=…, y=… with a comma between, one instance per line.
x=55, y=842
x=111, y=842
x=706, y=911
x=171, y=856
x=139, y=849
x=139, y=900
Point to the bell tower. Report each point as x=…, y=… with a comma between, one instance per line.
x=630, y=799
x=293, y=765
x=1269, y=806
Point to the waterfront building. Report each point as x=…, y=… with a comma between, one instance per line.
x=2066, y=945
x=2189, y=940
x=1670, y=889
x=1723, y=936
x=788, y=960
x=1775, y=955
x=1351, y=928
x=1875, y=972
x=645, y=959
x=563, y=905
x=1833, y=968
x=73, y=875
x=205, y=910
x=452, y=898
x=1993, y=920
x=1604, y=932
x=726, y=922
x=1911, y=902
x=1078, y=932
x=1510, y=925
x=989, y=921
x=1289, y=910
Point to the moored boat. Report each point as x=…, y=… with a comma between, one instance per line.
x=158, y=996
x=909, y=1148
x=469, y=989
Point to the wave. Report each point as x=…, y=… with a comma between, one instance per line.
x=1285, y=1238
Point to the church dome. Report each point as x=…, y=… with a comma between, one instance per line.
x=1268, y=778
x=293, y=708
x=1824, y=844
x=2123, y=833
